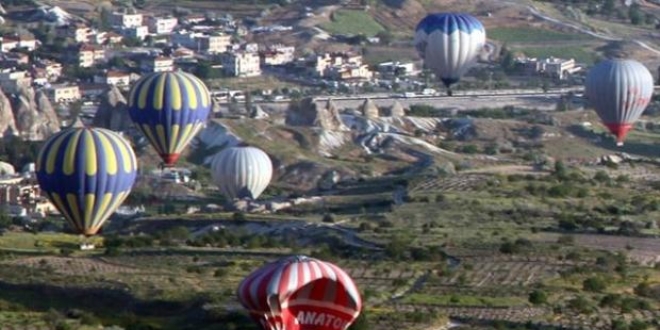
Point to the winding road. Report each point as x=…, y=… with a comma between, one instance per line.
x=536, y=13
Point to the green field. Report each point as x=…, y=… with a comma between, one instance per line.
x=532, y=35
x=352, y=22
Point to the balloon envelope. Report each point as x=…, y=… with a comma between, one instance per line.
x=242, y=172
x=170, y=108
x=449, y=44
x=301, y=293
x=619, y=90
x=86, y=173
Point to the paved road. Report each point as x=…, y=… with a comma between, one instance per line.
x=544, y=102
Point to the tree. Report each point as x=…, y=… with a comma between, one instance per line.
x=507, y=62
x=362, y=322
x=619, y=324
x=635, y=14
x=608, y=7
x=560, y=170
x=538, y=297
x=594, y=284
x=638, y=325
x=385, y=37
x=329, y=218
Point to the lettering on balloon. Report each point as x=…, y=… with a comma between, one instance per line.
x=325, y=320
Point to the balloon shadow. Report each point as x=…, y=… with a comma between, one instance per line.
x=606, y=141
x=105, y=302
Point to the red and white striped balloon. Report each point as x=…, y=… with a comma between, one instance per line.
x=301, y=293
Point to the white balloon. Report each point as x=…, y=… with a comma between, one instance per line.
x=242, y=172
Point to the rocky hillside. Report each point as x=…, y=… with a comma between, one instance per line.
x=312, y=140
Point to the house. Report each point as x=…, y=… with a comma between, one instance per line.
x=77, y=32
x=201, y=42
x=39, y=76
x=278, y=55
x=53, y=69
x=183, y=52
x=107, y=38
x=14, y=41
x=63, y=93
x=115, y=78
x=44, y=207
x=161, y=25
x=349, y=72
x=88, y=55
x=251, y=47
x=553, y=67
x=241, y=64
x=8, y=43
x=19, y=193
x=15, y=59
x=392, y=69
x=138, y=32
x=11, y=81
x=157, y=64
x=318, y=65
x=124, y=20
x=193, y=19
x=92, y=90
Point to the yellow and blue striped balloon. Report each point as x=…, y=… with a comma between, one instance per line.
x=86, y=173
x=170, y=108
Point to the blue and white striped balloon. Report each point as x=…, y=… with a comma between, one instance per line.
x=449, y=44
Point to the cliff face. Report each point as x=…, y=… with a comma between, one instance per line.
x=7, y=120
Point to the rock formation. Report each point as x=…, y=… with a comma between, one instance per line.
x=35, y=118
x=369, y=109
x=396, y=110
x=47, y=112
x=113, y=111
x=258, y=113
x=7, y=121
x=77, y=123
x=306, y=112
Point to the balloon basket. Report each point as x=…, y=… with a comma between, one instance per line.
x=85, y=244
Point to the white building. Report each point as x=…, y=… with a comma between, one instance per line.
x=157, y=64
x=278, y=55
x=201, y=42
x=115, y=78
x=162, y=25
x=126, y=20
x=396, y=68
x=139, y=32
x=241, y=64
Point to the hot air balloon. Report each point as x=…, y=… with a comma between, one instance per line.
x=86, y=173
x=242, y=172
x=449, y=44
x=170, y=108
x=300, y=293
x=619, y=90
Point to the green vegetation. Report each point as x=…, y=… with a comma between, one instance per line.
x=532, y=35
x=352, y=22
